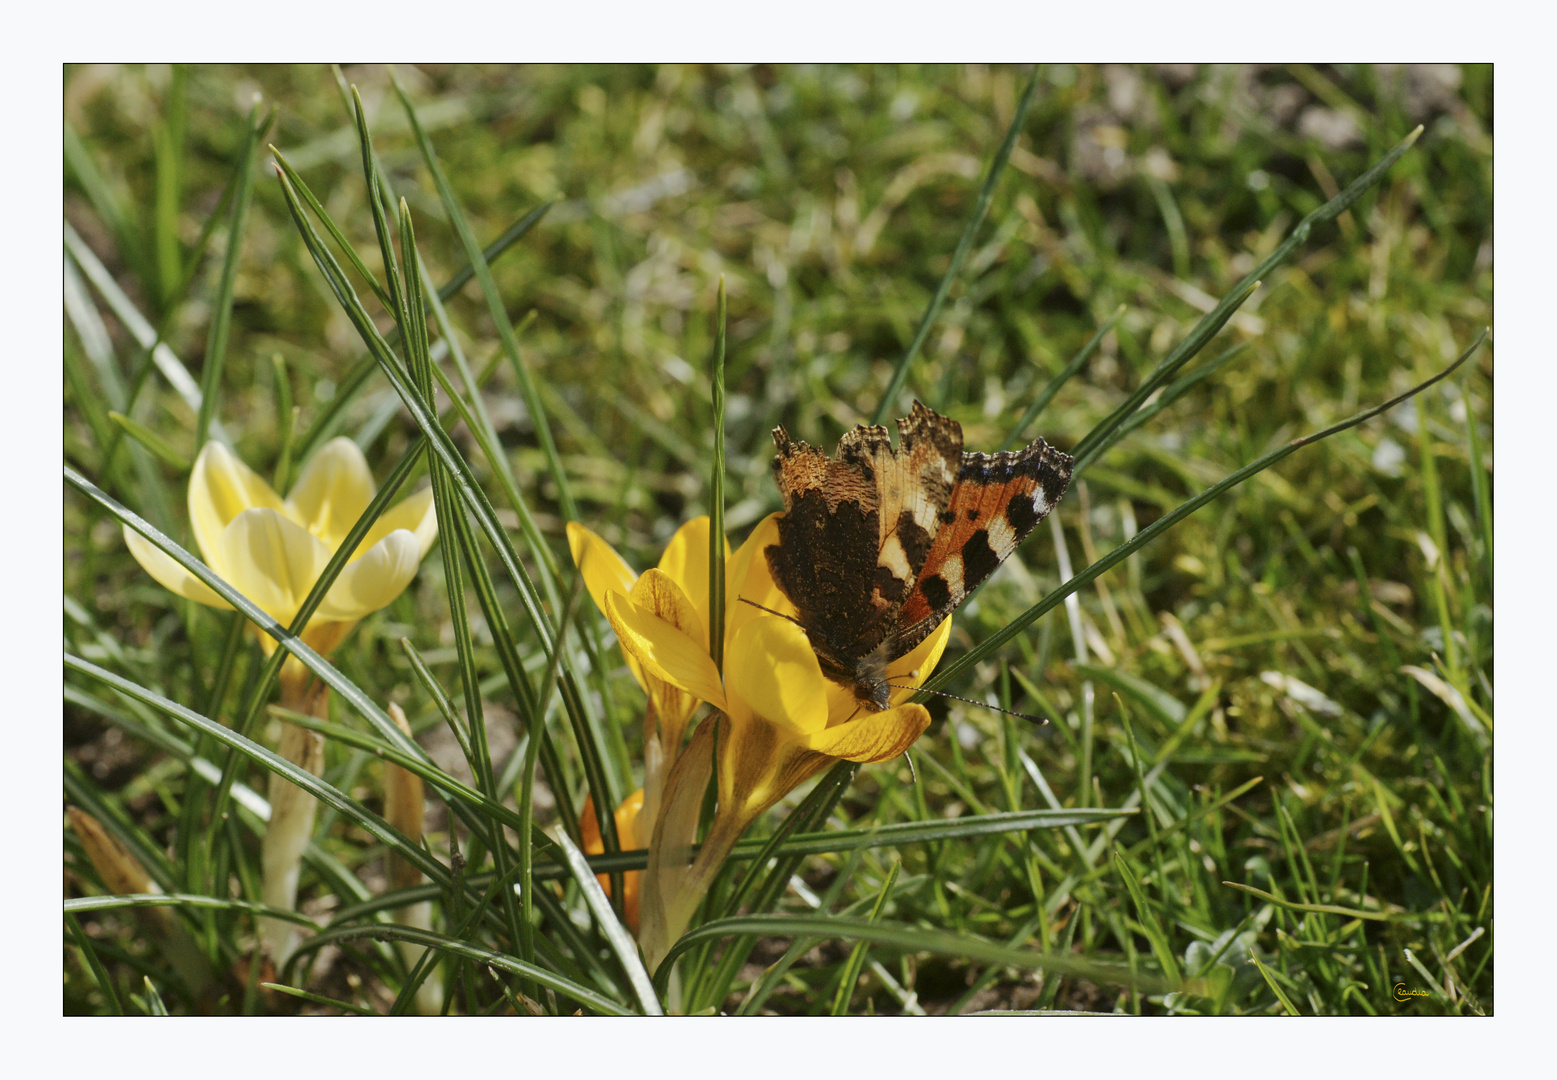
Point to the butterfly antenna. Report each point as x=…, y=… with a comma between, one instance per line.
x=770, y=611
x=981, y=704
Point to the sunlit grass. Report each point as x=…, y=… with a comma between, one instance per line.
x=1297, y=678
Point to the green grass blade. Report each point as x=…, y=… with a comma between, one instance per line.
x=341, y=242
x=380, y=212
x=1218, y=316
x=997, y=166
x=526, y=778
x=318, y=999
x=851, y=967
x=616, y=934
x=1103, y=434
x=184, y=900
x=965, y=663
x=716, y=496
x=1018, y=432
x=286, y=419
x=221, y=315
x=151, y=441
x=911, y=939
x=505, y=328
x=579, y=993
x=172, y=368
x=1147, y=918
x=94, y=965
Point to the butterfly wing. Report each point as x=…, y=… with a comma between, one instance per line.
x=858, y=528
x=998, y=500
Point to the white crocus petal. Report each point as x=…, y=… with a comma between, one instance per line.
x=332, y=491
x=220, y=488
x=374, y=580
x=168, y=573
x=415, y=513
x=272, y=560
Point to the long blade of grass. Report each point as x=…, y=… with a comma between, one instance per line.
x=357, y=377
x=145, y=335
x=851, y=967
x=987, y=647
x=911, y=939
x=94, y=965
x=1218, y=316
x=339, y=237
x=1042, y=401
x=997, y=166
x=616, y=934
x=221, y=315
x=376, y=826
x=716, y=495
x=505, y=328
x=579, y=993
x=184, y=900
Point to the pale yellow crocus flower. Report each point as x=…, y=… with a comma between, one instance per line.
x=273, y=549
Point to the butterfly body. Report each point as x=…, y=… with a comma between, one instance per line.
x=878, y=545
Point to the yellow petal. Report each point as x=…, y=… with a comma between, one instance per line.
x=664, y=651
x=659, y=594
x=747, y=578
x=415, y=513
x=373, y=581
x=272, y=560
x=912, y=669
x=686, y=562
x=602, y=567
x=220, y=488
x=332, y=491
x=874, y=737
x=169, y=574
x=772, y=669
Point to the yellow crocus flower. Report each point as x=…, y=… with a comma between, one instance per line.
x=785, y=720
x=273, y=549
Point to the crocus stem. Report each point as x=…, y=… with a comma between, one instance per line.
x=404, y=808
x=291, y=809
x=675, y=882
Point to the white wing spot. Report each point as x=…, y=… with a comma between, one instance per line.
x=951, y=571
x=894, y=558
x=1002, y=538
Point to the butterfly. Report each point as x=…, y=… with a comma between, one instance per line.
x=877, y=546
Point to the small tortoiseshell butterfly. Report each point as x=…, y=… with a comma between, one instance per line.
x=877, y=546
